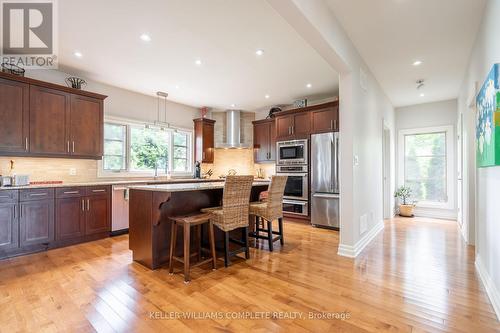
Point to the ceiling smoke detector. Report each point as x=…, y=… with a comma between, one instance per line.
x=420, y=83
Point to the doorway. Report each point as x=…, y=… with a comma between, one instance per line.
x=386, y=172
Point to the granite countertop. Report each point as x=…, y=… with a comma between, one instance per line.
x=186, y=187
x=115, y=182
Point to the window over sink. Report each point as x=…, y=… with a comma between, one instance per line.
x=141, y=150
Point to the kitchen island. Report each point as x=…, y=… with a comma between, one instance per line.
x=152, y=205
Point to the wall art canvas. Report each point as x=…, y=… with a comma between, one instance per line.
x=488, y=120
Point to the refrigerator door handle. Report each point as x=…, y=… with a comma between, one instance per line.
x=336, y=189
x=326, y=195
x=334, y=169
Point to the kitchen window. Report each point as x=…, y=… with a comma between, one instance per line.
x=426, y=165
x=138, y=150
x=115, y=137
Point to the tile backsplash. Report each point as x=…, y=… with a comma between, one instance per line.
x=51, y=169
x=58, y=169
x=240, y=160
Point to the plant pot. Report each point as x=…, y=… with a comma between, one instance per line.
x=406, y=210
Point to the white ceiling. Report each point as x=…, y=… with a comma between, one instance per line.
x=391, y=34
x=223, y=34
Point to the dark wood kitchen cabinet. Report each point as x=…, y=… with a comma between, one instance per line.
x=9, y=221
x=82, y=212
x=97, y=216
x=48, y=120
x=14, y=116
x=86, y=126
x=36, y=213
x=204, y=140
x=264, y=140
x=293, y=124
x=301, y=123
x=70, y=218
x=326, y=119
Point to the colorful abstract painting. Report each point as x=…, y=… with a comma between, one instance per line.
x=488, y=120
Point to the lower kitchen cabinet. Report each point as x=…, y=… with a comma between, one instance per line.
x=36, y=222
x=82, y=212
x=97, y=216
x=70, y=218
x=9, y=227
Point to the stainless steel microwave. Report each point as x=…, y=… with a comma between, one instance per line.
x=292, y=152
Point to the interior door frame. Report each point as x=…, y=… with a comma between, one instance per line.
x=386, y=172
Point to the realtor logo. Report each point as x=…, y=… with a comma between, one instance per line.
x=28, y=32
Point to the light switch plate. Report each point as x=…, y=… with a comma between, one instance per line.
x=72, y=171
x=363, y=224
x=356, y=160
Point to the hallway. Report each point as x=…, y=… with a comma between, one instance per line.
x=416, y=275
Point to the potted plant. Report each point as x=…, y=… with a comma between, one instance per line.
x=403, y=194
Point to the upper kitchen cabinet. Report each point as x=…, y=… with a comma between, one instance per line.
x=44, y=119
x=86, y=126
x=204, y=140
x=293, y=124
x=49, y=119
x=300, y=123
x=264, y=140
x=14, y=116
x=326, y=119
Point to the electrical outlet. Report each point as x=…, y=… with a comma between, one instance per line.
x=363, y=224
x=72, y=171
x=356, y=160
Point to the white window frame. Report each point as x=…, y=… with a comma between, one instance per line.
x=127, y=173
x=450, y=155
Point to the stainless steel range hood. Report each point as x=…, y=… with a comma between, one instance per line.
x=233, y=131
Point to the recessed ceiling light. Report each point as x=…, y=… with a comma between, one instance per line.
x=267, y=97
x=197, y=62
x=417, y=63
x=422, y=95
x=259, y=52
x=146, y=37
x=233, y=105
x=309, y=85
x=78, y=54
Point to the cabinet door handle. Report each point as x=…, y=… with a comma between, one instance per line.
x=203, y=156
x=335, y=123
x=83, y=205
x=68, y=146
x=4, y=197
x=15, y=212
x=331, y=124
x=88, y=204
x=26, y=144
x=38, y=194
x=71, y=192
x=73, y=146
x=97, y=191
x=293, y=129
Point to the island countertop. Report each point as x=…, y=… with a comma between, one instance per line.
x=152, y=206
x=187, y=187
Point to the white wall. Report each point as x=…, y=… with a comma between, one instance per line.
x=482, y=186
x=431, y=115
x=363, y=110
x=125, y=103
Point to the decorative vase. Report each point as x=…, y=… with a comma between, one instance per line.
x=75, y=82
x=406, y=210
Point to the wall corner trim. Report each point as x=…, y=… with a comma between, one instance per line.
x=491, y=290
x=354, y=251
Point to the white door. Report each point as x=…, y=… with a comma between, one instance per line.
x=386, y=153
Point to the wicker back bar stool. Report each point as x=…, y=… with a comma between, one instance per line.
x=233, y=214
x=269, y=210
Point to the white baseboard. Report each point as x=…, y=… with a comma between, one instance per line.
x=436, y=213
x=354, y=251
x=491, y=289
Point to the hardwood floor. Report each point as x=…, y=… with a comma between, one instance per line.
x=416, y=276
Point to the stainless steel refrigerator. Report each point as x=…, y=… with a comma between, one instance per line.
x=325, y=195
